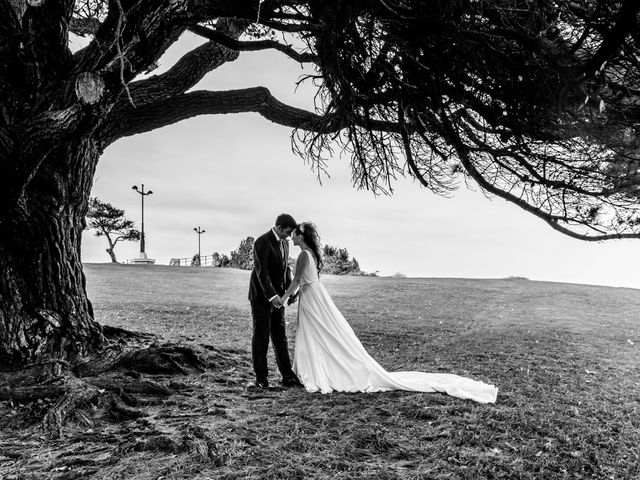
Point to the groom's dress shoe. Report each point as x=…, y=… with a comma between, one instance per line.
x=291, y=382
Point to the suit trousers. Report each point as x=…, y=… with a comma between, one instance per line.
x=268, y=321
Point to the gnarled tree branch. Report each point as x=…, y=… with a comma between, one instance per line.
x=171, y=110
x=185, y=73
x=302, y=57
x=552, y=220
x=256, y=99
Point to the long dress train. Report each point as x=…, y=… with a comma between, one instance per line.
x=329, y=357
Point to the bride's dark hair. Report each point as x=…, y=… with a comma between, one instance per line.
x=311, y=237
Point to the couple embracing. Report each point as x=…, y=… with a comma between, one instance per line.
x=327, y=353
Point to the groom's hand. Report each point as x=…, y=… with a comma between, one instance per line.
x=277, y=302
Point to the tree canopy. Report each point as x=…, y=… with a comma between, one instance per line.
x=241, y=258
x=536, y=102
x=337, y=262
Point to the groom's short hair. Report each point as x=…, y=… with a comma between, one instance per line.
x=285, y=220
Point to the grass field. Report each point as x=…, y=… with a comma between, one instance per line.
x=565, y=357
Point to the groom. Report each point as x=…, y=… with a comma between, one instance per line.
x=270, y=278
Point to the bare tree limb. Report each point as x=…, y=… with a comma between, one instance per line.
x=552, y=220
x=302, y=57
x=251, y=10
x=127, y=42
x=256, y=99
x=121, y=59
x=171, y=110
x=407, y=149
x=185, y=73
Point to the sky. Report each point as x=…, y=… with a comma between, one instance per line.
x=231, y=175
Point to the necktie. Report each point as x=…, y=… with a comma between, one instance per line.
x=282, y=250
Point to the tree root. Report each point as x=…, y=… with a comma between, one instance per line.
x=194, y=440
x=163, y=359
x=154, y=359
x=117, y=383
x=128, y=337
x=77, y=393
x=120, y=411
x=124, y=384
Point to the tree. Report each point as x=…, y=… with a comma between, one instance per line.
x=218, y=260
x=109, y=222
x=243, y=257
x=536, y=102
x=336, y=261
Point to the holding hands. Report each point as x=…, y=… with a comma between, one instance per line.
x=279, y=302
x=287, y=299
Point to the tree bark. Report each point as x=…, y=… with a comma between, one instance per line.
x=44, y=309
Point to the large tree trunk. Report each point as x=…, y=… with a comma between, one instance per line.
x=50, y=345
x=44, y=310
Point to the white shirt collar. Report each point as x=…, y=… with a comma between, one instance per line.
x=276, y=235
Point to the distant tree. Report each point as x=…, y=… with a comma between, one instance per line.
x=241, y=258
x=220, y=260
x=224, y=260
x=336, y=261
x=110, y=222
x=355, y=265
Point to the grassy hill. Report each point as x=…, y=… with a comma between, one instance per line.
x=216, y=299
x=565, y=357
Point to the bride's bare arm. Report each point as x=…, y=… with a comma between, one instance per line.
x=301, y=265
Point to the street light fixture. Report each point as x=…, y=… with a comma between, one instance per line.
x=199, y=232
x=142, y=194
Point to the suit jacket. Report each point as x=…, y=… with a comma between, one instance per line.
x=271, y=274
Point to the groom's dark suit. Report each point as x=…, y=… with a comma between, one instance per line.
x=270, y=277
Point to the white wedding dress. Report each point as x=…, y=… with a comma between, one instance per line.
x=329, y=357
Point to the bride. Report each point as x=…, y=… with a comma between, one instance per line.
x=329, y=357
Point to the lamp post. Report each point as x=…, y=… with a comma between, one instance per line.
x=199, y=232
x=142, y=194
